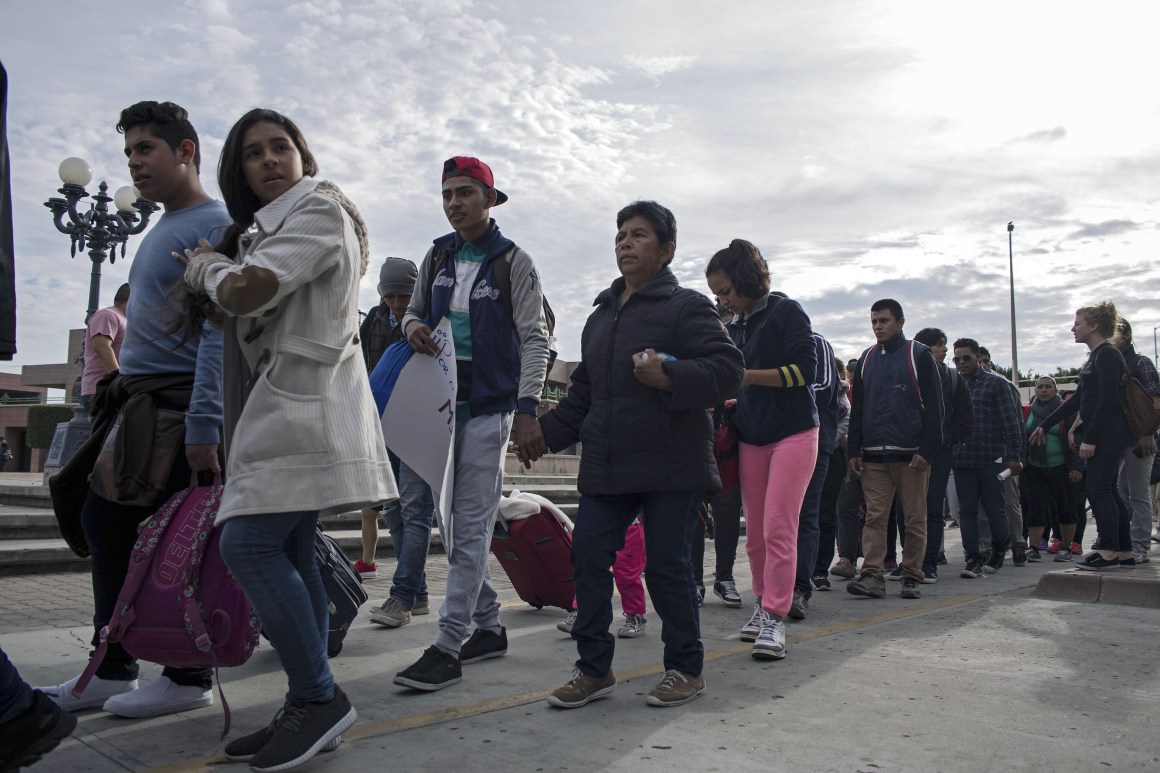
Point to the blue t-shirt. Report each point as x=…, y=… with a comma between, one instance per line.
x=155, y=322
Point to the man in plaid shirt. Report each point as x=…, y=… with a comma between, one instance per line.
x=996, y=435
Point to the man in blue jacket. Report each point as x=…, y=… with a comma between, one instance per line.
x=501, y=358
x=895, y=432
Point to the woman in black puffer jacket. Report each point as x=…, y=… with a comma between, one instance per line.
x=654, y=360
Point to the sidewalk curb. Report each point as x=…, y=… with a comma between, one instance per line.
x=1092, y=587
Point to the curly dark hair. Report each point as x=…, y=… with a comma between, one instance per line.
x=167, y=120
x=747, y=270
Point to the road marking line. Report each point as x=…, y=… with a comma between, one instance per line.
x=452, y=713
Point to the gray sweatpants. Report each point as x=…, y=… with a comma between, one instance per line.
x=480, y=447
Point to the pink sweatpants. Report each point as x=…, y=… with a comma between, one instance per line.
x=774, y=479
x=627, y=569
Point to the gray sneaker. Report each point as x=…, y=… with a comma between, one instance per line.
x=1064, y=556
x=565, y=625
x=393, y=613
x=303, y=731
x=770, y=644
x=422, y=606
x=633, y=627
x=750, y=630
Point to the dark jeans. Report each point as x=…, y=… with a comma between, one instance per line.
x=895, y=529
x=410, y=527
x=726, y=530
x=669, y=519
x=808, y=528
x=849, y=527
x=15, y=694
x=940, y=473
x=111, y=531
x=980, y=487
x=697, y=549
x=1048, y=496
x=1111, y=513
x=828, y=512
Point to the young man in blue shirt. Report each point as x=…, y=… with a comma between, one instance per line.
x=180, y=370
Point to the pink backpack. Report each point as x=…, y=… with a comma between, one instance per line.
x=180, y=606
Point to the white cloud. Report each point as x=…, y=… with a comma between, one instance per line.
x=657, y=67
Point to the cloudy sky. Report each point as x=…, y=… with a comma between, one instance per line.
x=870, y=149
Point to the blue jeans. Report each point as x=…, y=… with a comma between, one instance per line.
x=272, y=556
x=808, y=527
x=410, y=527
x=15, y=694
x=940, y=473
x=1111, y=513
x=980, y=486
x=669, y=519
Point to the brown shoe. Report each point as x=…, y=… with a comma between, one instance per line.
x=676, y=688
x=845, y=569
x=581, y=689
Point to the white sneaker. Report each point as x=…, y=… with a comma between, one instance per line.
x=161, y=696
x=98, y=691
x=565, y=625
x=770, y=644
x=750, y=630
x=633, y=627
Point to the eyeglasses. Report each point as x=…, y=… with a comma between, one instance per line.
x=964, y=358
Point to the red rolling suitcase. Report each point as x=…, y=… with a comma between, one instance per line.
x=536, y=553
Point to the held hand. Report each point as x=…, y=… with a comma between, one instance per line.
x=918, y=463
x=855, y=466
x=419, y=337
x=203, y=246
x=203, y=456
x=1148, y=445
x=649, y=370
x=1015, y=467
x=1086, y=451
x=1075, y=476
x=528, y=439
x=1038, y=437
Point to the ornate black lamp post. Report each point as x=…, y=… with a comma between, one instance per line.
x=101, y=231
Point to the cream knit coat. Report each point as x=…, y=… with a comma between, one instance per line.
x=309, y=437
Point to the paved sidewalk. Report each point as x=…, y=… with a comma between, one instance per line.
x=977, y=675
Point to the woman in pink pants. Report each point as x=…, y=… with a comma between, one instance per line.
x=626, y=571
x=777, y=425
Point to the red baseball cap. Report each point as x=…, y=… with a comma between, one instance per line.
x=466, y=166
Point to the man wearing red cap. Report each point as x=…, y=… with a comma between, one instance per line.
x=501, y=355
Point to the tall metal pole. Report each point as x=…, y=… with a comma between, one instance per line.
x=1014, y=348
x=1155, y=353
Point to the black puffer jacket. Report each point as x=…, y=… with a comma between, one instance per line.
x=637, y=438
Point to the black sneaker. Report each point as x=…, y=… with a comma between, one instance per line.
x=243, y=749
x=994, y=561
x=972, y=570
x=929, y=575
x=799, y=605
x=700, y=595
x=726, y=590
x=303, y=731
x=434, y=671
x=1033, y=555
x=35, y=733
x=1128, y=563
x=1018, y=554
x=895, y=575
x=483, y=644
x=821, y=582
x=910, y=588
x=1094, y=562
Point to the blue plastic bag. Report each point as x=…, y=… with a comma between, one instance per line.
x=387, y=371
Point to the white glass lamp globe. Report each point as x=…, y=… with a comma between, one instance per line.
x=124, y=198
x=75, y=171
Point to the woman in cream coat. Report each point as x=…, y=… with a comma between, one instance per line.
x=307, y=442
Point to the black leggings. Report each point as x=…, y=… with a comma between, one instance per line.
x=727, y=528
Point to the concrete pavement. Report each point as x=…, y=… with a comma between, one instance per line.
x=977, y=675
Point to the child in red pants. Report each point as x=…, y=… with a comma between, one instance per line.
x=626, y=571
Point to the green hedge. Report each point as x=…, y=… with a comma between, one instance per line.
x=42, y=421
